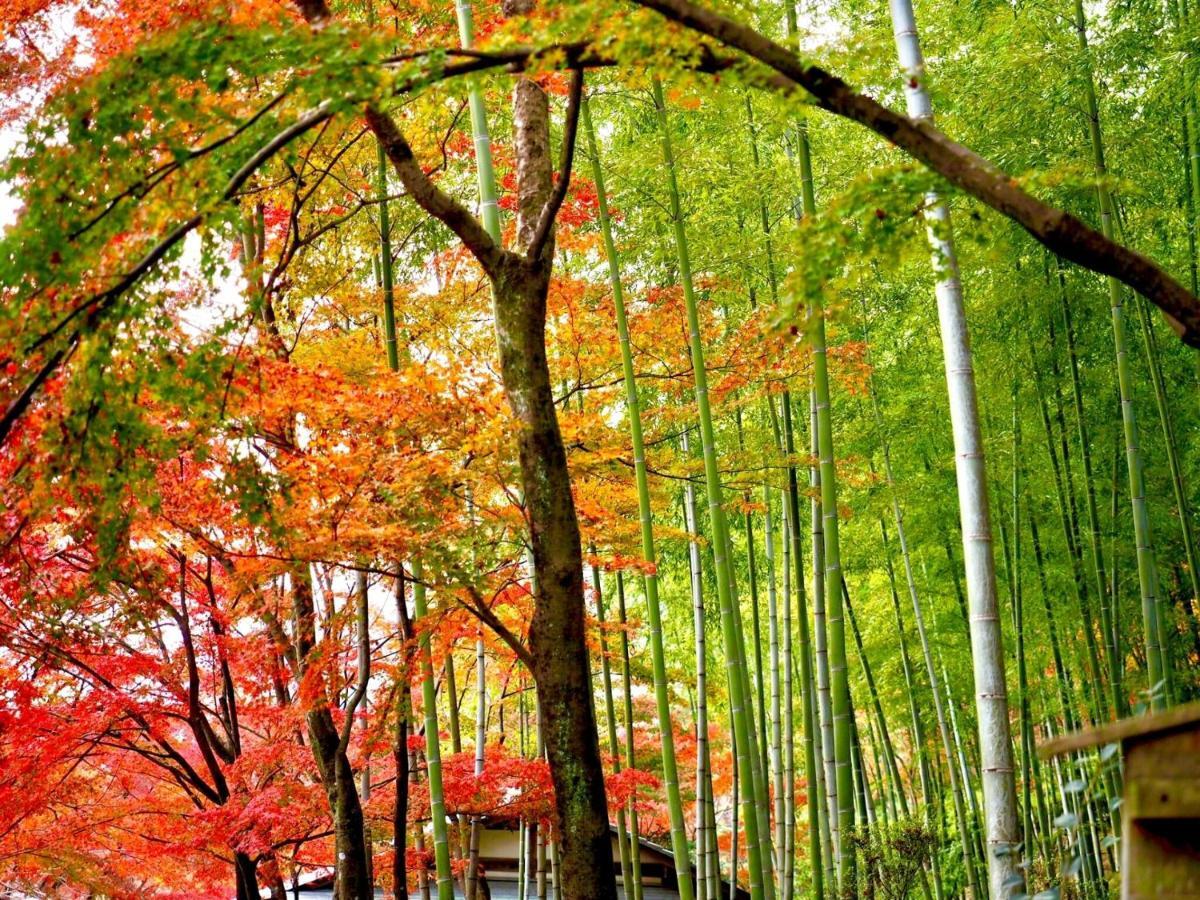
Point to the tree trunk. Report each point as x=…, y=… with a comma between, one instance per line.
x=246, y=870
x=352, y=881
x=556, y=633
x=400, y=753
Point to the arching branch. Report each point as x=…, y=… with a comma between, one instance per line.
x=1056, y=229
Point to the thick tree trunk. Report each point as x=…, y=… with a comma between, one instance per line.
x=246, y=871
x=556, y=633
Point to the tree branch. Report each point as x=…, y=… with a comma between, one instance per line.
x=541, y=234
x=480, y=609
x=1054, y=228
x=428, y=195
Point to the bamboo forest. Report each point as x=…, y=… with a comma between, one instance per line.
x=583, y=449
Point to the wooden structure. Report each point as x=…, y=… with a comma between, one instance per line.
x=1160, y=812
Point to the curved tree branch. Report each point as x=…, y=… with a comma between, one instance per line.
x=1056, y=229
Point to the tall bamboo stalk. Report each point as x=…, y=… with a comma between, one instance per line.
x=807, y=682
x=760, y=886
x=489, y=212
x=991, y=698
x=614, y=748
x=1062, y=489
x=838, y=675
x=776, y=686
x=1019, y=627
x=957, y=788
x=1178, y=486
x=889, y=753
x=705, y=842
x=1147, y=566
x=918, y=728
x=433, y=750
x=679, y=843
x=824, y=734
x=1107, y=610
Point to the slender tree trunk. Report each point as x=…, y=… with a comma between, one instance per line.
x=352, y=880
x=400, y=755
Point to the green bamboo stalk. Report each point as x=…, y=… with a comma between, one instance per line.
x=958, y=760
x=433, y=750
x=386, y=277
x=630, y=757
x=1062, y=488
x=1147, y=566
x=838, y=675
x=887, y=807
x=755, y=618
x=956, y=787
x=1017, y=598
x=1166, y=423
x=1107, y=610
x=1063, y=676
x=679, y=843
x=524, y=829
x=760, y=886
x=864, y=812
x=889, y=753
x=776, y=687
x=437, y=810
x=784, y=794
x=489, y=211
x=807, y=682
x=789, y=702
x=761, y=794
x=759, y=675
x=705, y=842
x=824, y=741
x=918, y=728
x=1190, y=122
x=614, y=748
x=490, y=216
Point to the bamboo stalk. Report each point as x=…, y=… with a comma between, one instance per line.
x=679, y=843
x=760, y=886
x=991, y=699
